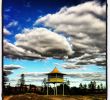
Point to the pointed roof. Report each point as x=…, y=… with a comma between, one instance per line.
x=55, y=71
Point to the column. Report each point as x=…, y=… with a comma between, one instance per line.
x=56, y=88
x=63, y=89
x=47, y=88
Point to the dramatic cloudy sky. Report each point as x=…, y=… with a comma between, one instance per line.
x=67, y=34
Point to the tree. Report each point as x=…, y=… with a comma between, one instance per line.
x=98, y=87
x=92, y=85
x=101, y=86
x=44, y=82
x=85, y=86
x=80, y=86
x=68, y=83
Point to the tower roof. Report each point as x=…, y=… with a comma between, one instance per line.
x=55, y=71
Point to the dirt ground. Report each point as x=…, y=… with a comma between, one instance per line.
x=51, y=97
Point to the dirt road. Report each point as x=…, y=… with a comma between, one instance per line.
x=51, y=97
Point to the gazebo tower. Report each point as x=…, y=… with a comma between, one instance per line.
x=55, y=77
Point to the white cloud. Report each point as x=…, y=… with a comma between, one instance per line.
x=89, y=76
x=10, y=49
x=7, y=10
x=7, y=72
x=34, y=79
x=13, y=23
x=85, y=59
x=44, y=42
x=35, y=74
x=37, y=43
x=14, y=52
x=28, y=79
x=26, y=30
x=71, y=66
x=85, y=23
x=6, y=32
x=12, y=67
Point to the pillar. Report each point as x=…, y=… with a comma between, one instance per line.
x=47, y=88
x=56, y=88
x=63, y=89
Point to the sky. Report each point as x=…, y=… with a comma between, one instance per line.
x=41, y=35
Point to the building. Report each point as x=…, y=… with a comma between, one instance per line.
x=55, y=77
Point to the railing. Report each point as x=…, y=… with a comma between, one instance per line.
x=55, y=80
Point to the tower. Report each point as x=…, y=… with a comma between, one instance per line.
x=55, y=77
